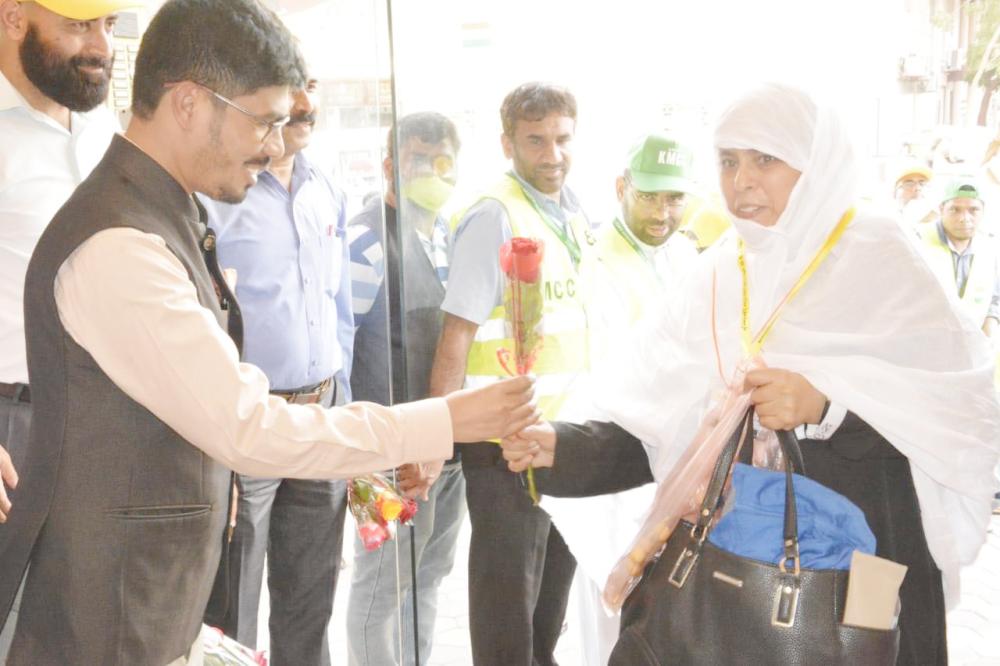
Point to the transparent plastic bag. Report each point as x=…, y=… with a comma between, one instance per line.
x=767, y=451
x=681, y=492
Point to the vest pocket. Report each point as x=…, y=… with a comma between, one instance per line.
x=168, y=555
x=160, y=512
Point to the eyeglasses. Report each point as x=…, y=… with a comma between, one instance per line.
x=658, y=199
x=912, y=184
x=269, y=126
x=441, y=166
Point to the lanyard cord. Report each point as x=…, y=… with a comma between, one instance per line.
x=620, y=228
x=568, y=240
x=753, y=345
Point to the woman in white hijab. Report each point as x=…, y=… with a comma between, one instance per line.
x=894, y=385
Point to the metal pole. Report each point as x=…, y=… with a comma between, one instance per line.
x=398, y=375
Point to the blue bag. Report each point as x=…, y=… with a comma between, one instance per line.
x=830, y=526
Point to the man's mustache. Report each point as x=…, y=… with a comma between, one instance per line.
x=262, y=162
x=82, y=61
x=308, y=118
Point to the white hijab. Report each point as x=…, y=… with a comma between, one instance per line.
x=872, y=329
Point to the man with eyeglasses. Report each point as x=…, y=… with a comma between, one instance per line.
x=639, y=253
x=286, y=243
x=910, y=191
x=55, y=71
x=141, y=406
x=409, y=249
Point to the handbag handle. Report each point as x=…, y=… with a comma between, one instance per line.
x=743, y=436
x=790, y=447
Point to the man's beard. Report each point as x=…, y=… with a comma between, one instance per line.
x=59, y=78
x=215, y=159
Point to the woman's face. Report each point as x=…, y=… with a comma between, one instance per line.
x=756, y=185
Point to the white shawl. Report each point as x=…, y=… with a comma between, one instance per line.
x=872, y=329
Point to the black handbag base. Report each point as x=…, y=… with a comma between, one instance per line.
x=725, y=614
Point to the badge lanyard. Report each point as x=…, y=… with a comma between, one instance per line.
x=753, y=345
x=568, y=240
x=623, y=232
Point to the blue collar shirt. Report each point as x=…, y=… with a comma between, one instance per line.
x=292, y=276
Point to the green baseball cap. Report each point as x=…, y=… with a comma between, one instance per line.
x=961, y=188
x=660, y=164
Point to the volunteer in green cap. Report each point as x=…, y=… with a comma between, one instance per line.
x=638, y=254
x=640, y=249
x=55, y=68
x=964, y=255
x=639, y=257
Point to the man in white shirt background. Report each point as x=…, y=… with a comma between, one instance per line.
x=55, y=69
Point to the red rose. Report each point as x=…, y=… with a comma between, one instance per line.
x=521, y=259
x=373, y=535
x=409, y=510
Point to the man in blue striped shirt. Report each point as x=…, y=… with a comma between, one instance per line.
x=286, y=242
x=410, y=252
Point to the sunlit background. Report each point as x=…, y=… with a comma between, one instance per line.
x=899, y=70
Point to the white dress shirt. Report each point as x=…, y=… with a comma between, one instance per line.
x=138, y=315
x=41, y=163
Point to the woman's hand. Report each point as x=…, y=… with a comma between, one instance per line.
x=534, y=446
x=784, y=400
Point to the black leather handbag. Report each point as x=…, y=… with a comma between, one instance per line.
x=699, y=604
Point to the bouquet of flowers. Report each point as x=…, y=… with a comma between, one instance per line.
x=377, y=506
x=521, y=262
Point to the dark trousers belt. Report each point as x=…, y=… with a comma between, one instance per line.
x=15, y=392
x=307, y=395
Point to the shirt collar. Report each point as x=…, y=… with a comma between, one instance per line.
x=161, y=189
x=649, y=250
x=970, y=249
x=9, y=97
x=567, y=200
x=302, y=172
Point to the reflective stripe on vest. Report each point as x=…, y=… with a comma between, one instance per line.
x=564, y=351
x=979, y=286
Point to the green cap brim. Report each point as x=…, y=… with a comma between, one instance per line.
x=647, y=182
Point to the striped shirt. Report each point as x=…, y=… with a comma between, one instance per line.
x=368, y=260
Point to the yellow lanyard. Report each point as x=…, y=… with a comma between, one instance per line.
x=752, y=345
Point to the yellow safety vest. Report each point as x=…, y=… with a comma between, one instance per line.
x=620, y=267
x=621, y=284
x=564, y=352
x=982, y=273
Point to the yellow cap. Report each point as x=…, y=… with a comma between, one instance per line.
x=914, y=170
x=86, y=10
